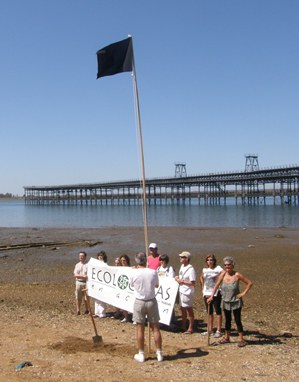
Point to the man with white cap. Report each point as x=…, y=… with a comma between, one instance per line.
x=186, y=280
x=153, y=258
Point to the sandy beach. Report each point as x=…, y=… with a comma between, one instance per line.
x=39, y=324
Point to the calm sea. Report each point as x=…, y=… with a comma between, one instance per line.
x=14, y=213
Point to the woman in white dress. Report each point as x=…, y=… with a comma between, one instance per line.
x=100, y=306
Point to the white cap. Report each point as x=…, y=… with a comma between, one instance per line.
x=153, y=245
x=185, y=254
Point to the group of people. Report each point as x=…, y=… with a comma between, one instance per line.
x=220, y=289
x=80, y=274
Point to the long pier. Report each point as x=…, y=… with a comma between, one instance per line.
x=263, y=186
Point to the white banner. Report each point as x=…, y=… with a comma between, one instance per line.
x=111, y=285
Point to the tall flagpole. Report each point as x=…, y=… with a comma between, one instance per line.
x=112, y=59
x=145, y=224
x=143, y=182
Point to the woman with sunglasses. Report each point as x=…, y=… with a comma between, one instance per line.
x=232, y=298
x=208, y=280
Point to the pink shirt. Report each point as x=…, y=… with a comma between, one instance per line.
x=153, y=262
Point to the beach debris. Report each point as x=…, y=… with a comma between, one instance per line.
x=251, y=246
x=23, y=364
x=287, y=334
x=84, y=243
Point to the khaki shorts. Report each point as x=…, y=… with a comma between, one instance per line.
x=186, y=301
x=78, y=292
x=146, y=309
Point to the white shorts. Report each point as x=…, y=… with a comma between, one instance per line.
x=186, y=301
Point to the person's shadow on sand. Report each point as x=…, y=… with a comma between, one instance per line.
x=264, y=339
x=258, y=338
x=187, y=353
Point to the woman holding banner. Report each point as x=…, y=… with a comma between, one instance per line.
x=125, y=262
x=164, y=268
x=186, y=280
x=99, y=306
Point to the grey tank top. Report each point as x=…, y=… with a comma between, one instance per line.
x=229, y=292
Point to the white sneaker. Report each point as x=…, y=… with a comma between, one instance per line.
x=159, y=356
x=204, y=333
x=217, y=334
x=139, y=357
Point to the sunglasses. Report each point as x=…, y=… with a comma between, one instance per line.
x=227, y=265
x=183, y=257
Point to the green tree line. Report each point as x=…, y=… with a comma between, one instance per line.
x=7, y=195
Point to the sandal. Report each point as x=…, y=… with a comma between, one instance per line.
x=224, y=341
x=241, y=344
x=188, y=332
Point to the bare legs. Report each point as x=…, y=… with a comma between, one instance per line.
x=78, y=304
x=140, y=336
x=218, y=322
x=190, y=313
x=156, y=333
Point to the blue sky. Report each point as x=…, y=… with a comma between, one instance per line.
x=217, y=79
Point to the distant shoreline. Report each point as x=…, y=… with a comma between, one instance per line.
x=12, y=198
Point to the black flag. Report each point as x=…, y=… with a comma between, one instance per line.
x=115, y=58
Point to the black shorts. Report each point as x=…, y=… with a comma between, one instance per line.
x=215, y=304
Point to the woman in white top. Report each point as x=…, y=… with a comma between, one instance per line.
x=164, y=268
x=186, y=280
x=208, y=280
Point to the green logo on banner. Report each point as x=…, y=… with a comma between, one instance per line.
x=123, y=281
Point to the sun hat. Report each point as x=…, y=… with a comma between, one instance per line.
x=185, y=254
